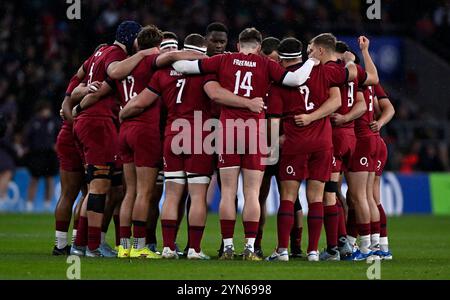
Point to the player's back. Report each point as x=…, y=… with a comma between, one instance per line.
x=362, y=123
x=305, y=100
x=96, y=71
x=348, y=94
x=246, y=75
x=182, y=95
x=134, y=83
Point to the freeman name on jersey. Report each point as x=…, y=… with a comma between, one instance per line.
x=244, y=63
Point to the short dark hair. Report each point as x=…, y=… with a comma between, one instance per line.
x=269, y=44
x=169, y=35
x=249, y=35
x=150, y=36
x=342, y=47
x=216, y=26
x=290, y=45
x=325, y=40
x=195, y=39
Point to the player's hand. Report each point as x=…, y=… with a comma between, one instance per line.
x=375, y=126
x=363, y=43
x=348, y=56
x=255, y=105
x=303, y=120
x=150, y=51
x=338, y=119
x=94, y=86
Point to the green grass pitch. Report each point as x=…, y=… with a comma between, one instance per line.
x=420, y=245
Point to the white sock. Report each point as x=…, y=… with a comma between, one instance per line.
x=74, y=235
x=365, y=243
x=138, y=243
x=103, y=238
x=351, y=240
x=281, y=250
x=384, y=244
x=61, y=239
x=375, y=240
x=250, y=243
x=125, y=243
x=228, y=242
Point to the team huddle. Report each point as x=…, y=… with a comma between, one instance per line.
x=140, y=115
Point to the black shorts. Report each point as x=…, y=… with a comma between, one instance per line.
x=42, y=163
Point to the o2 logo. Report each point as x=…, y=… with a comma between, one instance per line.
x=290, y=170
x=364, y=162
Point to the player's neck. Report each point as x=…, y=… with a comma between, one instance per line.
x=327, y=58
x=248, y=51
x=120, y=45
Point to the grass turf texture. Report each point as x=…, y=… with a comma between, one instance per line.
x=420, y=246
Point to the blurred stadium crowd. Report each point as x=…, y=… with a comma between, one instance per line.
x=40, y=49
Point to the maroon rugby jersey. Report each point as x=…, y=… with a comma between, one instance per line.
x=349, y=91
x=287, y=102
x=181, y=95
x=245, y=75
x=96, y=71
x=134, y=83
x=379, y=92
x=362, y=128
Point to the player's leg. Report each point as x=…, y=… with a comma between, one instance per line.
x=344, y=246
x=175, y=184
x=374, y=215
x=198, y=187
x=263, y=193
x=126, y=209
x=384, y=244
x=314, y=195
x=70, y=187
x=153, y=213
x=331, y=217
x=251, y=180
x=285, y=218
x=77, y=211
x=297, y=230
x=358, y=194
x=117, y=194
x=227, y=208
x=146, y=180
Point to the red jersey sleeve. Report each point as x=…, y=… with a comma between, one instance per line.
x=150, y=61
x=379, y=92
x=210, y=77
x=211, y=64
x=274, y=102
x=154, y=84
x=336, y=75
x=74, y=82
x=116, y=55
x=276, y=72
x=361, y=75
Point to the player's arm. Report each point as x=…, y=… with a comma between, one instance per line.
x=300, y=76
x=168, y=58
x=187, y=66
x=223, y=96
x=91, y=98
x=386, y=114
x=349, y=59
x=328, y=107
x=138, y=103
x=371, y=69
x=358, y=109
x=120, y=69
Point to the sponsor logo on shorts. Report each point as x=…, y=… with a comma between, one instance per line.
x=378, y=165
x=290, y=170
x=364, y=162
